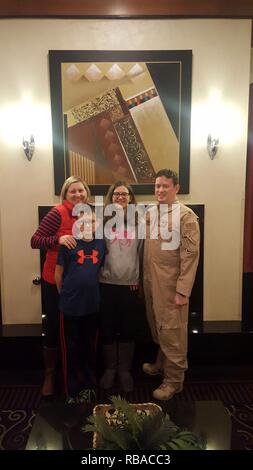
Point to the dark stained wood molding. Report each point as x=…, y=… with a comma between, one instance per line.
x=126, y=8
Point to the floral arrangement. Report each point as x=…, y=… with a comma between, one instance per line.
x=125, y=426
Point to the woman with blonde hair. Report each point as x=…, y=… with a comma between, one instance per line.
x=55, y=230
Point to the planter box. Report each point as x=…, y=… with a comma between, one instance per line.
x=107, y=410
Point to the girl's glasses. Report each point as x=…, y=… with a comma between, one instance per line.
x=120, y=194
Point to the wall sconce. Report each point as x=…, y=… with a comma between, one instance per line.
x=29, y=147
x=212, y=146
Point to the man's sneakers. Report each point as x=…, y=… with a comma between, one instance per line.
x=167, y=390
x=151, y=369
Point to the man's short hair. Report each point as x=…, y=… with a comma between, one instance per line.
x=168, y=174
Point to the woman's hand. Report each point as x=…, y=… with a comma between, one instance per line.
x=134, y=287
x=68, y=241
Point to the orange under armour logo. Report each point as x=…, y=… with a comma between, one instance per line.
x=83, y=256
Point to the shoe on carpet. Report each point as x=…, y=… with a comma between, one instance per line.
x=108, y=378
x=167, y=390
x=87, y=395
x=72, y=401
x=151, y=369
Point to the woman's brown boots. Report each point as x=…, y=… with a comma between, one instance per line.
x=50, y=360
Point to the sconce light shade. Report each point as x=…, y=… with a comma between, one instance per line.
x=29, y=147
x=212, y=146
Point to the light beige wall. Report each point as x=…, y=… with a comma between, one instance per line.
x=221, y=59
x=251, y=67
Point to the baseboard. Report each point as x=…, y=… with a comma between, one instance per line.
x=219, y=344
x=24, y=330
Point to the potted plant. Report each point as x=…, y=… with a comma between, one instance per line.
x=125, y=426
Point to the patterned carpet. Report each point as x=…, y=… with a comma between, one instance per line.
x=242, y=426
x=18, y=405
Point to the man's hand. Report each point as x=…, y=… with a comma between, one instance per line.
x=181, y=299
x=68, y=241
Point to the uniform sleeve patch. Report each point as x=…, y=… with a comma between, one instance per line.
x=190, y=226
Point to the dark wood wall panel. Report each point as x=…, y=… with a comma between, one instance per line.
x=126, y=8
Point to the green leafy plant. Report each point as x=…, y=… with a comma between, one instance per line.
x=124, y=426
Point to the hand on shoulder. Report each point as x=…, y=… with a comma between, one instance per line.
x=68, y=241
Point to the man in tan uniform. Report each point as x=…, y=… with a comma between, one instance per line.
x=169, y=273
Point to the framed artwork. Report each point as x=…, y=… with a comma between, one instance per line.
x=120, y=115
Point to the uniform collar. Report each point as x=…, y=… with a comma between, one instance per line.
x=170, y=208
